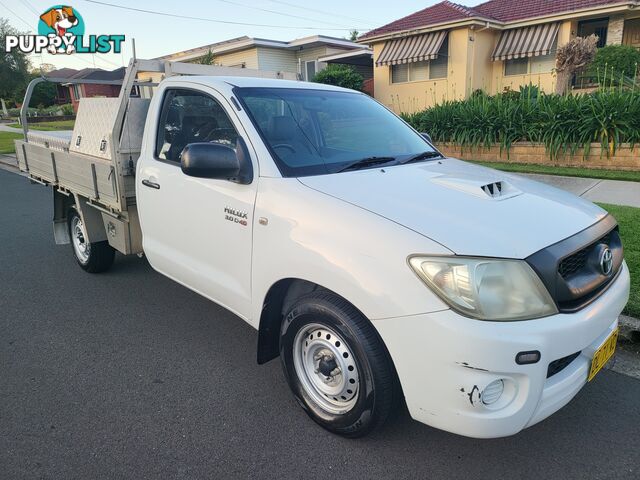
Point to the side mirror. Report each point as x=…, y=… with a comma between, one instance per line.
x=215, y=160
x=427, y=137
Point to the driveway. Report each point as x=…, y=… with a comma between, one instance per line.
x=129, y=375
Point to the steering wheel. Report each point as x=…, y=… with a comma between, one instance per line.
x=284, y=145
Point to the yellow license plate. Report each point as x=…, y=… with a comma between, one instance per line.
x=603, y=354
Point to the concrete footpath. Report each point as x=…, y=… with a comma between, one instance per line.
x=7, y=128
x=615, y=192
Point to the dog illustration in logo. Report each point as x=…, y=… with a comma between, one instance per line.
x=60, y=19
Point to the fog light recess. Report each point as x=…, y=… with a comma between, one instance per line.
x=527, y=358
x=492, y=392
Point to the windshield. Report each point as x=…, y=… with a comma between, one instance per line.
x=313, y=132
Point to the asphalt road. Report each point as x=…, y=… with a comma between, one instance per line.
x=129, y=375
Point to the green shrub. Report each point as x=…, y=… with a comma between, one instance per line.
x=564, y=123
x=341, y=76
x=616, y=61
x=67, y=109
x=529, y=91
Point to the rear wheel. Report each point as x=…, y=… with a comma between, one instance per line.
x=93, y=257
x=336, y=365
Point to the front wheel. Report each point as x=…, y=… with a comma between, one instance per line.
x=94, y=257
x=336, y=365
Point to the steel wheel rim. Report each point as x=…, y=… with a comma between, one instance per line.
x=79, y=240
x=326, y=368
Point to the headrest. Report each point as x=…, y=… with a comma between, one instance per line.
x=282, y=128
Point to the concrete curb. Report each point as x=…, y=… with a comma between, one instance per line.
x=629, y=325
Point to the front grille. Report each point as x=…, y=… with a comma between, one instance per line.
x=571, y=269
x=558, y=365
x=573, y=263
x=578, y=260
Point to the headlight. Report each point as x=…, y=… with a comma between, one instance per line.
x=486, y=289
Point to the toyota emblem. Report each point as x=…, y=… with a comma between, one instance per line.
x=606, y=261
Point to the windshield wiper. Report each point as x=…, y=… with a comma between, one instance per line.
x=367, y=162
x=421, y=156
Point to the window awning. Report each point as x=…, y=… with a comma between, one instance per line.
x=526, y=42
x=411, y=49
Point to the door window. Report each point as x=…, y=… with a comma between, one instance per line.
x=311, y=70
x=188, y=117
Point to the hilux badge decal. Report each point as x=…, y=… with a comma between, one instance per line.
x=236, y=216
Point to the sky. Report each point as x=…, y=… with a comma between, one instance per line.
x=157, y=35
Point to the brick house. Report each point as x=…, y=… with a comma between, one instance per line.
x=447, y=51
x=73, y=92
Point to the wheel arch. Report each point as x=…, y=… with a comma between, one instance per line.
x=279, y=295
x=276, y=302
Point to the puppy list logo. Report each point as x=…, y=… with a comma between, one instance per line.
x=61, y=30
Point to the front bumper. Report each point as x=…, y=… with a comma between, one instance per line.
x=445, y=361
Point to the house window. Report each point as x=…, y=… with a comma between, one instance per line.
x=77, y=91
x=438, y=67
x=421, y=71
x=598, y=27
x=418, y=71
x=516, y=66
x=533, y=65
x=400, y=73
x=310, y=70
x=545, y=63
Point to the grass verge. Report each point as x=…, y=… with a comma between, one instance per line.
x=630, y=176
x=48, y=126
x=629, y=221
x=6, y=141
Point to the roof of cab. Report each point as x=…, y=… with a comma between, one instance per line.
x=218, y=81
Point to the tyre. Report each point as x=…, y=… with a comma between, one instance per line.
x=93, y=257
x=337, y=365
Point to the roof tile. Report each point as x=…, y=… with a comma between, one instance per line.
x=439, y=13
x=500, y=10
x=509, y=11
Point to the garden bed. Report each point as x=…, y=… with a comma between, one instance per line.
x=595, y=130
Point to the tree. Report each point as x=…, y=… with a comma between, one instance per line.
x=207, y=59
x=341, y=76
x=14, y=66
x=353, y=35
x=44, y=95
x=571, y=57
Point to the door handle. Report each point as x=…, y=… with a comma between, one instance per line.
x=150, y=184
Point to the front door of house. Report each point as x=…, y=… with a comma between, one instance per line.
x=632, y=33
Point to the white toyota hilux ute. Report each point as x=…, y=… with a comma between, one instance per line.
x=374, y=267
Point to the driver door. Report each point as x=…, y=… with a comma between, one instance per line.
x=197, y=231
